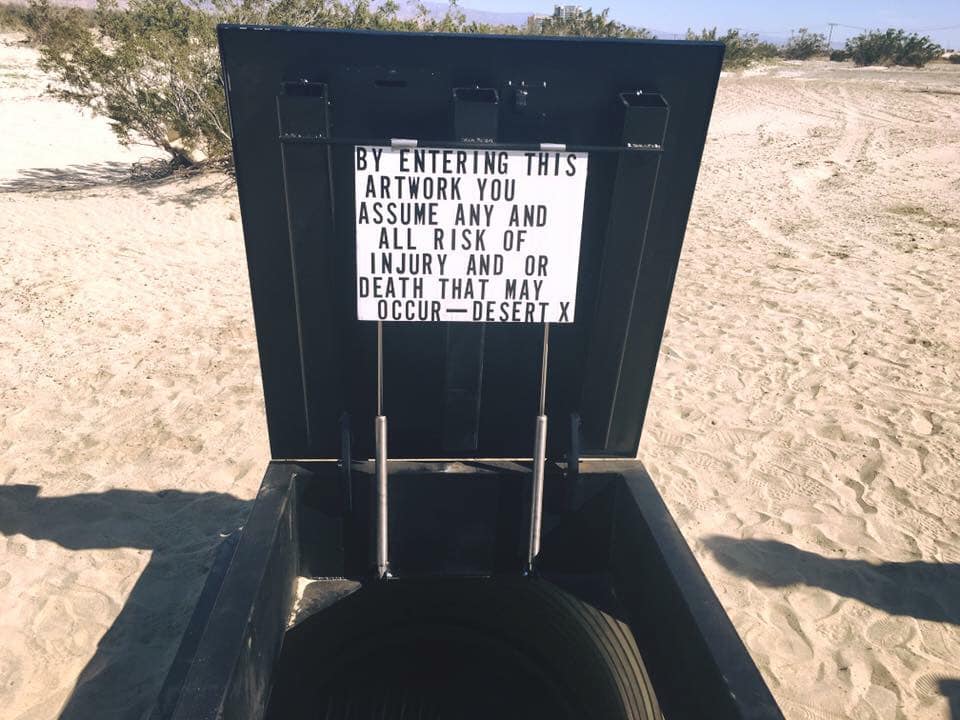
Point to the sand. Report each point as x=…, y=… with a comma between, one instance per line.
x=803, y=428
x=804, y=422
x=130, y=401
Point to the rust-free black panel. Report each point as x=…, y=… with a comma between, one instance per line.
x=383, y=85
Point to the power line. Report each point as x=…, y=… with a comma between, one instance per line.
x=763, y=32
x=831, y=26
x=929, y=29
x=948, y=27
x=842, y=25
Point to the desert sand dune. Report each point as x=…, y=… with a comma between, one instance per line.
x=804, y=425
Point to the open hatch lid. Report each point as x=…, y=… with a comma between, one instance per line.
x=301, y=100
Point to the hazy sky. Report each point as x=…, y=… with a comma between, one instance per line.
x=940, y=19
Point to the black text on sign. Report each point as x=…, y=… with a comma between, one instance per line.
x=468, y=235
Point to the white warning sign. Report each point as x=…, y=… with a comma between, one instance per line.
x=468, y=235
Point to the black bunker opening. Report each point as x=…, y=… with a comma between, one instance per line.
x=451, y=240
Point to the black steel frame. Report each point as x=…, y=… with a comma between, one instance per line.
x=617, y=537
x=640, y=108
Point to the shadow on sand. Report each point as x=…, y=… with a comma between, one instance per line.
x=143, y=177
x=72, y=177
x=926, y=591
x=182, y=530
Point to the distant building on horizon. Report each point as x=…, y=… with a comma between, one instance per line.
x=567, y=12
x=561, y=13
x=535, y=23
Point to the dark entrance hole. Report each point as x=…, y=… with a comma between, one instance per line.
x=470, y=649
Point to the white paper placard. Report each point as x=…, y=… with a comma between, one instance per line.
x=468, y=235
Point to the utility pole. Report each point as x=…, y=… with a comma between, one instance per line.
x=830, y=36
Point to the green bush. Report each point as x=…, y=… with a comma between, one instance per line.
x=34, y=19
x=892, y=47
x=839, y=55
x=590, y=24
x=153, y=68
x=805, y=45
x=705, y=34
x=12, y=17
x=739, y=50
x=955, y=58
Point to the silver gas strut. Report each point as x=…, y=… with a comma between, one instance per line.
x=539, y=458
x=380, y=429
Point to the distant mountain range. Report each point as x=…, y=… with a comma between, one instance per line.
x=408, y=8
x=437, y=9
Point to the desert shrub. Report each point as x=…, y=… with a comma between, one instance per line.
x=804, y=45
x=705, y=34
x=12, y=17
x=153, y=67
x=38, y=18
x=34, y=18
x=839, y=55
x=590, y=24
x=892, y=47
x=955, y=59
x=765, y=50
x=740, y=50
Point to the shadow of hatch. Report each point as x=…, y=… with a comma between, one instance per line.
x=123, y=678
x=922, y=590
